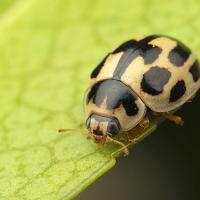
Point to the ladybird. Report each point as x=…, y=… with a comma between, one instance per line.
x=154, y=73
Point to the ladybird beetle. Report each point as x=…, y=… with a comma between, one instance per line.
x=154, y=73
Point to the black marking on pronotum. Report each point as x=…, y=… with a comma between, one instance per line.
x=132, y=49
x=96, y=71
x=195, y=71
x=115, y=94
x=177, y=91
x=179, y=54
x=92, y=93
x=154, y=80
x=130, y=105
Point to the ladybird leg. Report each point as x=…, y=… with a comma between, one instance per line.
x=131, y=138
x=124, y=147
x=176, y=119
x=122, y=139
x=143, y=124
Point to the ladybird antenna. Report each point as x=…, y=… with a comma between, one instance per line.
x=61, y=130
x=124, y=147
x=83, y=132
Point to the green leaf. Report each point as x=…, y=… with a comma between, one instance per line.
x=47, y=51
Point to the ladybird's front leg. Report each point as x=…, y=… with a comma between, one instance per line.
x=140, y=127
x=143, y=124
x=131, y=138
x=176, y=119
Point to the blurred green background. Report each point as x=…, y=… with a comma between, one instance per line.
x=47, y=50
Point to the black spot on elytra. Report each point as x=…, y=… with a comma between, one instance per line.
x=132, y=49
x=177, y=91
x=154, y=80
x=179, y=54
x=195, y=71
x=115, y=93
x=98, y=68
x=150, y=53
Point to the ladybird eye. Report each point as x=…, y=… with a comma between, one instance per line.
x=113, y=128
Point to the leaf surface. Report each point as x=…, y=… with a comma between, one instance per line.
x=47, y=51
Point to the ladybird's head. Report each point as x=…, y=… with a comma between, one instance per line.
x=101, y=126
